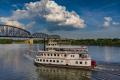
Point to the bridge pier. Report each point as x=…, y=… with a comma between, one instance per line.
x=29, y=41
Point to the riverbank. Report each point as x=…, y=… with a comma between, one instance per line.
x=97, y=42
x=10, y=41
x=88, y=42
x=5, y=41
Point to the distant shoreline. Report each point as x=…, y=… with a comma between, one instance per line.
x=97, y=42
x=87, y=42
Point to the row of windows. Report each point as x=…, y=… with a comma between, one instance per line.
x=43, y=60
x=83, y=56
x=72, y=55
x=53, y=44
x=80, y=55
x=52, y=55
x=80, y=62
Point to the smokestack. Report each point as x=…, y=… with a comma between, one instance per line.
x=44, y=44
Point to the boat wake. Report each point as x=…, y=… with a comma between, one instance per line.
x=28, y=57
x=106, y=72
x=106, y=68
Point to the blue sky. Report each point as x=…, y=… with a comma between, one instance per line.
x=68, y=18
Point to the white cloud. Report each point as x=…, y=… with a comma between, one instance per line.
x=3, y=19
x=19, y=14
x=14, y=23
x=108, y=18
x=115, y=23
x=47, y=10
x=73, y=19
x=51, y=12
x=106, y=24
x=107, y=21
x=59, y=14
x=7, y=21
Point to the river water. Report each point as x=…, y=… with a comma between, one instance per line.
x=16, y=64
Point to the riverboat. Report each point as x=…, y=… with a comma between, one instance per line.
x=64, y=56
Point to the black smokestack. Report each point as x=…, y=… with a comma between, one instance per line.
x=44, y=44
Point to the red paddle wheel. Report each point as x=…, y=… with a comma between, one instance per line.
x=93, y=64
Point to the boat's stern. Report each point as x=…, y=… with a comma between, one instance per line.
x=93, y=64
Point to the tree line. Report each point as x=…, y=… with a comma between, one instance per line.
x=97, y=42
x=89, y=42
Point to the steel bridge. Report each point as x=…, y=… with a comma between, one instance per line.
x=15, y=32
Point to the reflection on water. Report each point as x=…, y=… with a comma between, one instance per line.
x=50, y=73
x=105, y=54
x=108, y=54
x=15, y=65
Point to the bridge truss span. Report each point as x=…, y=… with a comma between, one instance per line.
x=16, y=32
x=12, y=31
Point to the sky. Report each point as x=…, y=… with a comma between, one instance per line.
x=79, y=19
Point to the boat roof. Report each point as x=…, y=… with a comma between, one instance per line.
x=68, y=52
x=69, y=46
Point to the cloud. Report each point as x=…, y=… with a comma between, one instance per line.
x=115, y=23
x=48, y=14
x=108, y=18
x=3, y=19
x=107, y=21
x=59, y=14
x=7, y=21
x=106, y=24
x=14, y=23
x=19, y=14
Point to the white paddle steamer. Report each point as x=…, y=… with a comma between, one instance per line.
x=64, y=56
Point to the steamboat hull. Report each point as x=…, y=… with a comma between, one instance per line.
x=63, y=66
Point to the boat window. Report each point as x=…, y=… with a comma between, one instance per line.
x=54, y=54
x=85, y=62
x=57, y=54
x=80, y=62
x=37, y=59
x=76, y=62
x=65, y=55
x=48, y=54
x=50, y=60
x=40, y=59
x=61, y=61
x=44, y=54
x=43, y=60
x=53, y=60
x=41, y=54
x=80, y=55
x=57, y=60
x=51, y=54
x=46, y=60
